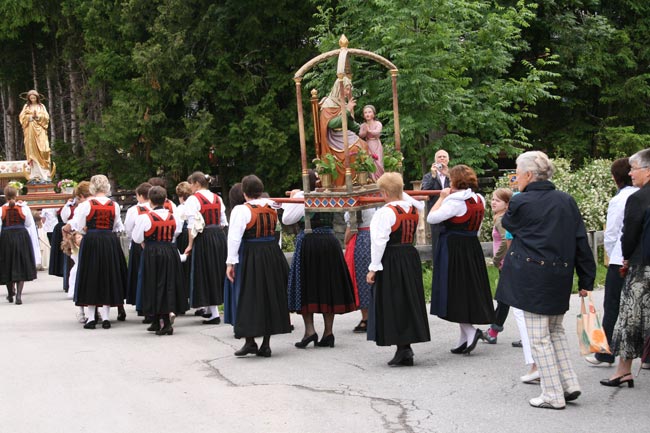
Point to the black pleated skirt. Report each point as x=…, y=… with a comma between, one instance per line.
x=261, y=279
x=135, y=252
x=460, y=287
x=162, y=280
x=208, y=267
x=56, y=253
x=101, y=275
x=323, y=284
x=398, y=313
x=17, y=261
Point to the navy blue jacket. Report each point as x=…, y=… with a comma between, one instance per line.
x=635, y=208
x=549, y=242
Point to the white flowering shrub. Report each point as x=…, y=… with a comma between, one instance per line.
x=591, y=186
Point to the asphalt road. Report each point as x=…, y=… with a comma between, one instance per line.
x=57, y=377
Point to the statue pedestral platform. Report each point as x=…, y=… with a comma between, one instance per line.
x=340, y=200
x=14, y=170
x=41, y=195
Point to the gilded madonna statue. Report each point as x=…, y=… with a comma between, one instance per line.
x=35, y=120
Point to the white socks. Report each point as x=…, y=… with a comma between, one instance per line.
x=106, y=309
x=91, y=312
x=467, y=333
x=214, y=311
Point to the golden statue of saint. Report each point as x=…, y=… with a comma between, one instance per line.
x=35, y=121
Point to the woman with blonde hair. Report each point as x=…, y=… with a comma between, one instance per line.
x=398, y=314
x=101, y=276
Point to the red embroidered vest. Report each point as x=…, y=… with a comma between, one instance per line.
x=12, y=216
x=162, y=229
x=472, y=219
x=406, y=222
x=101, y=216
x=263, y=221
x=211, y=211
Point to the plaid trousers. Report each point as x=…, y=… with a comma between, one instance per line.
x=551, y=353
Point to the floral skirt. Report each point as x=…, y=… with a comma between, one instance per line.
x=633, y=324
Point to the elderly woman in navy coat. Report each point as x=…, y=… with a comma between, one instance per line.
x=550, y=241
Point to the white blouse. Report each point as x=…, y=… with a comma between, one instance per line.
x=453, y=206
x=78, y=221
x=143, y=223
x=239, y=217
x=193, y=206
x=380, y=229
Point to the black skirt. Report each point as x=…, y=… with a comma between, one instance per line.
x=208, y=267
x=398, y=313
x=326, y=283
x=261, y=279
x=17, y=261
x=56, y=253
x=135, y=252
x=162, y=279
x=181, y=243
x=101, y=275
x=460, y=290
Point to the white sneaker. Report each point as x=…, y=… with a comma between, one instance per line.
x=539, y=402
x=81, y=317
x=645, y=365
x=531, y=378
x=591, y=359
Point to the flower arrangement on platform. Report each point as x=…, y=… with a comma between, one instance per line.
x=16, y=184
x=66, y=183
x=392, y=158
x=327, y=165
x=364, y=162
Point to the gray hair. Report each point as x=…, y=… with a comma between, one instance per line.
x=537, y=163
x=100, y=183
x=641, y=158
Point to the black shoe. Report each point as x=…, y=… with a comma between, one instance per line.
x=165, y=330
x=214, y=321
x=90, y=324
x=264, y=351
x=618, y=382
x=199, y=312
x=19, y=301
x=10, y=298
x=247, y=348
x=460, y=349
x=155, y=326
x=326, y=341
x=206, y=315
x=147, y=320
x=517, y=344
x=121, y=316
x=477, y=336
x=361, y=328
x=305, y=341
x=106, y=324
x=570, y=396
x=402, y=355
x=408, y=362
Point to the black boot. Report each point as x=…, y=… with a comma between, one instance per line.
x=249, y=347
x=121, y=313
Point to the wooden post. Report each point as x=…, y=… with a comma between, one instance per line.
x=398, y=142
x=303, y=147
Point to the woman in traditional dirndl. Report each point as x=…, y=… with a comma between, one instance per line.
x=460, y=288
x=101, y=275
x=161, y=281
x=183, y=191
x=398, y=314
x=207, y=246
x=16, y=246
x=319, y=280
x=258, y=270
